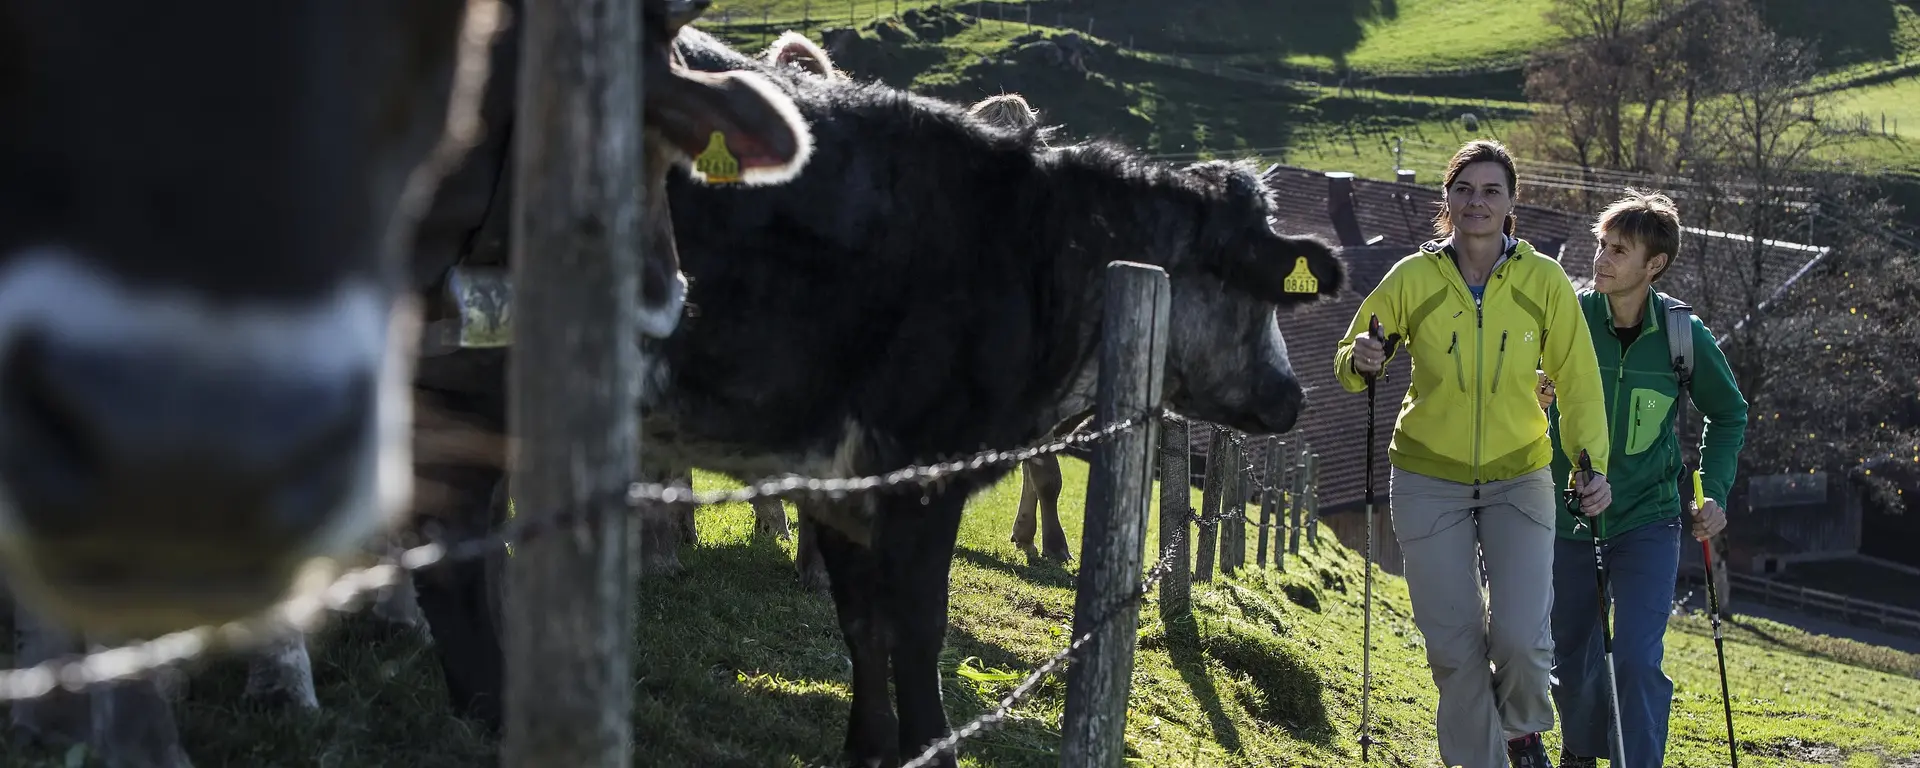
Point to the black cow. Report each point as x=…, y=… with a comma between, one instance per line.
x=460, y=392
x=200, y=385
x=930, y=288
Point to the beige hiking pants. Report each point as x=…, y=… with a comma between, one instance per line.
x=1443, y=538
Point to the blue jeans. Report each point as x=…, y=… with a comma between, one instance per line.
x=1641, y=567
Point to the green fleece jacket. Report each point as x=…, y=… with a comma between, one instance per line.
x=1641, y=389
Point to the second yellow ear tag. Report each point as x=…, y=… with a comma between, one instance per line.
x=1301, y=279
x=716, y=163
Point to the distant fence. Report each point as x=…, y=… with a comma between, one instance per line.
x=1851, y=610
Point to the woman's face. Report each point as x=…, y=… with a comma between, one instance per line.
x=1478, y=201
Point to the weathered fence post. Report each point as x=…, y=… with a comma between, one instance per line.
x=1176, y=509
x=569, y=595
x=1269, y=500
x=1233, y=507
x=1313, y=499
x=1133, y=356
x=1210, y=492
x=1299, y=504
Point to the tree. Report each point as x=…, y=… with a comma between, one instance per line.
x=1837, y=384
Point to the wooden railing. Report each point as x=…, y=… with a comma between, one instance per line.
x=1852, y=610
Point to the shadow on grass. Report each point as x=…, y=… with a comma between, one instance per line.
x=1188, y=652
x=1851, y=653
x=1036, y=570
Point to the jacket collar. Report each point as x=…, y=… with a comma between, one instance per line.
x=1649, y=317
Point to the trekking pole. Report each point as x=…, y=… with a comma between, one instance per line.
x=1366, y=631
x=1713, y=605
x=1600, y=577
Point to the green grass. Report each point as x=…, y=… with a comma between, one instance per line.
x=737, y=667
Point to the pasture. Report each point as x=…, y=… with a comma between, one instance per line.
x=1242, y=78
x=735, y=666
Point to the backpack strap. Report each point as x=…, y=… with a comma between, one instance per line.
x=1679, y=339
x=1679, y=330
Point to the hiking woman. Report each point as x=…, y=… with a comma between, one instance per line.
x=1476, y=308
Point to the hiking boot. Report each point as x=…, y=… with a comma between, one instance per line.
x=1527, y=752
x=1571, y=760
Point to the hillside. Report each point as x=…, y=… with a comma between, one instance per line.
x=1319, y=84
x=737, y=667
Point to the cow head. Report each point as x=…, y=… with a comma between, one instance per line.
x=202, y=358
x=732, y=127
x=1226, y=358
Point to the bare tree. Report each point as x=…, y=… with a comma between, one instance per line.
x=1836, y=386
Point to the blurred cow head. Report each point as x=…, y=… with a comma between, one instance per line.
x=202, y=357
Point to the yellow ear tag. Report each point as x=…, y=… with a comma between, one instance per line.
x=716, y=163
x=1301, y=280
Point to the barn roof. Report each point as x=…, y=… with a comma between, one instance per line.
x=1395, y=217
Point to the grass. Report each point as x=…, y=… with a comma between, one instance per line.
x=737, y=667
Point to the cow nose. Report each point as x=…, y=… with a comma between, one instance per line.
x=1279, y=400
x=106, y=447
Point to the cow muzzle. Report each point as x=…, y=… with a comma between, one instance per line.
x=164, y=464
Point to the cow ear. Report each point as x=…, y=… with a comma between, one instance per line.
x=736, y=126
x=1287, y=270
x=794, y=49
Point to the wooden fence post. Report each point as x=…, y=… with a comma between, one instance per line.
x=1176, y=506
x=568, y=596
x=1132, y=363
x=1269, y=500
x=1233, y=507
x=1210, y=491
x=1299, y=502
x=1313, y=499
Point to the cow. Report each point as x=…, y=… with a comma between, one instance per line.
x=931, y=288
x=460, y=390
x=1040, y=482
x=203, y=344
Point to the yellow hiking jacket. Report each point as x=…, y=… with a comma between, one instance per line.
x=1471, y=415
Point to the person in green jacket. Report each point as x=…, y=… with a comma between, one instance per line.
x=1640, y=531
x=1476, y=310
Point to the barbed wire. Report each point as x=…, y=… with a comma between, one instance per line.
x=837, y=487
x=347, y=591
x=1031, y=683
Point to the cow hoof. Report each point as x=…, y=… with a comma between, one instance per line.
x=1060, y=552
x=813, y=578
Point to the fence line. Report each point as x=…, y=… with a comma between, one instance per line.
x=1801, y=598
x=353, y=588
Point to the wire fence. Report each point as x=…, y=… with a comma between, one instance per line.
x=1231, y=481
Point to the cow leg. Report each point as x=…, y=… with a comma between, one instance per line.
x=1043, y=475
x=61, y=717
x=770, y=517
x=663, y=528
x=852, y=570
x=806, y=553
x=398, y=607
x=915, y=544
x=134, y=727
x=1024, y=520
x=457, y=597
x=281, y=674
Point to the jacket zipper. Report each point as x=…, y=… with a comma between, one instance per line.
x=1479, y=323
x=1618, y=379
x=1499, y=361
